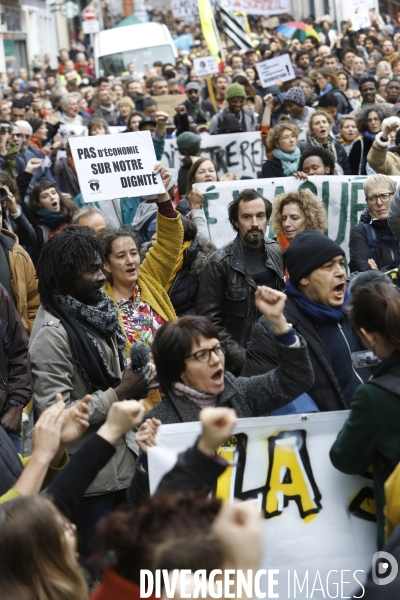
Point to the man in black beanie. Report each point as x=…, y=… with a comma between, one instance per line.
x=316, y=292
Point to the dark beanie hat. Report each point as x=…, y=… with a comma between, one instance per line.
x=308, y=251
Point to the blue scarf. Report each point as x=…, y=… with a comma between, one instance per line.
x=317, y=312
x=369, y=135
x=290, y=161
x=328, y=89
x=50, y=218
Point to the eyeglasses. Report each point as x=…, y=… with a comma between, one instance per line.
x=204, y=356
x=384, y=197
x=373, y=120
x=18, y=135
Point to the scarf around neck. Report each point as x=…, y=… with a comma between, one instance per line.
x=317, y=312
x=92, y=364
x=50, y=218
x=202, y=399
x=328, y=89
x=290, y=161
x=369, y=135
x=329, y=144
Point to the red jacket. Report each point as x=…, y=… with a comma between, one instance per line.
x=115, y=587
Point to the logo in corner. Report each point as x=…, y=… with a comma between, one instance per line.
x=384, y=568
x=94, y=185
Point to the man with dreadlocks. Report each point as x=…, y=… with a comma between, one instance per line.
x=77, y=347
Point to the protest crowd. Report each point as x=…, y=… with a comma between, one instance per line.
x=124, y=314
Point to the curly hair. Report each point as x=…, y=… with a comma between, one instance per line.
x=170, y=531
x=362, y=116
x=311, y=206
x=275, y=133
x=64, y=257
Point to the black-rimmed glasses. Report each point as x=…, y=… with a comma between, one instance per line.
x=204, y=356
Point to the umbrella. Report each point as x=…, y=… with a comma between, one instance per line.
x=297, y=30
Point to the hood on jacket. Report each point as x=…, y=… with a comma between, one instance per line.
x=366, y=217
x=205, y=250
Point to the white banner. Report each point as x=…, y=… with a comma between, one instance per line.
x=282, y=464
x=242, y=153
x=274, y=69
x=262, y=7
x=115, y=166
x=342, y=196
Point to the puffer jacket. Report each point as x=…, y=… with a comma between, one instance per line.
x=52, y=368
x=250, y=397
x=383, y=160
x=386, y=246
x=184, y=289
x=226, y=296
x=24, y=283
x=14, y=381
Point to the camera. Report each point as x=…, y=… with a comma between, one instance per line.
x=3, y=193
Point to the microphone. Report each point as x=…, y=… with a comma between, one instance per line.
x=140, y=355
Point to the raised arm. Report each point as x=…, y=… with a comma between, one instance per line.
x=160, y=261
x=294, y=374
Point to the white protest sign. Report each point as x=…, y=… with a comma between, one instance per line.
x=262, y=7
x=242, y=153
x=360, y=20
x=342, y=196
x=184, y=8
x=205, y=65
x=273, y=69
x=316, y=519
x=115, y=166
x=91, y=26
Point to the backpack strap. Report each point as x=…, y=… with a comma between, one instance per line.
x=371, y=238
x=389, y=382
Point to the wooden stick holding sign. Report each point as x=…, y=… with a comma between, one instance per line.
x=115, y=166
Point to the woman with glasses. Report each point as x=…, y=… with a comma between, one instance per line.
x=369, y=123
x=372, y=243
x=190, y=364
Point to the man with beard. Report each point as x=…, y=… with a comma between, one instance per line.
x=229, y=280
x=77, y=347
x=315, y=307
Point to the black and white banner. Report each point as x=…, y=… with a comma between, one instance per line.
x=233, y=27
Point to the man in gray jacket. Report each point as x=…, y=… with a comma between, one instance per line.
x=77, y=347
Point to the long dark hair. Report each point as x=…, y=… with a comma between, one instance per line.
x=193, y=170
x=375, y=307
x=67, y=207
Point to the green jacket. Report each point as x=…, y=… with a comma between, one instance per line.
x=128, y=206
x=371, y=435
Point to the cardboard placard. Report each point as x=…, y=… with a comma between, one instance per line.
x=169, y=102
